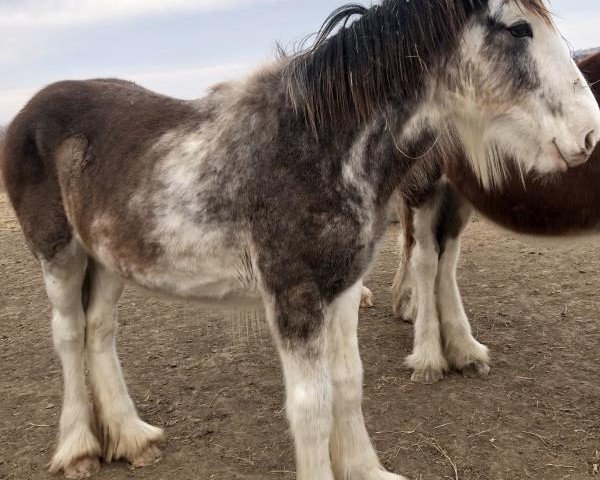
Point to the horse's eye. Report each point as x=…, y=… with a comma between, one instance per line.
x=521, y=30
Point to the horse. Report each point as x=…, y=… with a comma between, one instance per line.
x=561, y=205
x=271, y=192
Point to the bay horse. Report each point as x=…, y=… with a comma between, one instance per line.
x=557, y=205
x=272, y=192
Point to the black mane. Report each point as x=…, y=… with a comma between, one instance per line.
x=380, y=56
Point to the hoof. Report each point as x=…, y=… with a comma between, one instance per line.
x=427, y=376
x=427, y=369
x=133, y=440
x=378, y=474
x=147, y=457
x=476, y=369
x=383, y=475
x=84, y=467
x=469, y=357
x=405, y=308
x=366, y=298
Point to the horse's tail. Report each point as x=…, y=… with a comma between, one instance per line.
x=29, y=174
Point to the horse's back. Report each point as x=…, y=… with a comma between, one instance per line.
x=108, y=120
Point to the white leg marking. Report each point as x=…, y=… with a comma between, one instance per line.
x=352, y=454
x=124, y=435
x=309, y=409
x=461, y=349
x=78, y=448
x=427, y=359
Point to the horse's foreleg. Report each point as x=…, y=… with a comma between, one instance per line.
x=123, y=433
x=462, y=351
x=352, y=454
x=427, y=359
x=298, y=326
x=78, y=449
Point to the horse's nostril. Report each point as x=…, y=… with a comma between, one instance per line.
x=590, y=140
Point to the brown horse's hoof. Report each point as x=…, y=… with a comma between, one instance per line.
x=83, y=467
x=147, y=457
x=427, y=376
x=476, y=369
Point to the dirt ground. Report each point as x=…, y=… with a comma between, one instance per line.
x=214, y=383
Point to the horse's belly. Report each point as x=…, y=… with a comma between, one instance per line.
x=213, y=272
x=210, y=290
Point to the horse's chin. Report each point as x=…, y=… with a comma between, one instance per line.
x=550, y=160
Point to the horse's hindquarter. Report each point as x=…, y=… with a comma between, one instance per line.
x=147, y=200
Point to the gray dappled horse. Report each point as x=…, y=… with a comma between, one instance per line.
x=273, y=191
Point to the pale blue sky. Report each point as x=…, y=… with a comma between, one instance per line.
x=178, y=47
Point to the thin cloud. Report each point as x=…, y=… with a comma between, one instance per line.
x=581, y=28
x=188, y=83
x=11, y=101
x=31, y=13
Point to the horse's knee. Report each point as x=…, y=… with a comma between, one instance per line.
x=68, y=331
x=100, y=332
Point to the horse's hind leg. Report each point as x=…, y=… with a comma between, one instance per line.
x=404, y=294
x=78, y=448
x=366, y=298
x=123, y=433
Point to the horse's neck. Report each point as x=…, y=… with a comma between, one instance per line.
x=375, y=154
x=392, y=147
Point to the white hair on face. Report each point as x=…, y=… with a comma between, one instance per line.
x=496, y=131
x=488, y=160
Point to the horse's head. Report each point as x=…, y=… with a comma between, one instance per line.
x=513, y=91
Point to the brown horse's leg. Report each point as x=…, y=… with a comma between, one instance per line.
x=404, y=295
x=123, y=433
x=427, y=359
x=78, y=451
x=462, y=351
